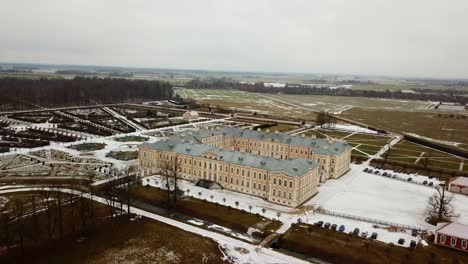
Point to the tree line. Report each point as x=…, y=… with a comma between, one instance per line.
x=422, y=94
x=28, y=93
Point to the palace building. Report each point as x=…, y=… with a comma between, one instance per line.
x=280, y=168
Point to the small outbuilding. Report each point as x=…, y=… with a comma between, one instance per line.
x=452, y=235
x=190, y=115
x=459, y=185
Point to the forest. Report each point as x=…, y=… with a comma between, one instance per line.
x=19, y=93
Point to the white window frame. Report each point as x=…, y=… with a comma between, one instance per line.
x=453, y=241
x=442, y=239
x=464, y=244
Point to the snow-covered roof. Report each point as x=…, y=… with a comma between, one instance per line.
x=453, y=229
x=320, y=146
x=292, y=167
x=460, y=181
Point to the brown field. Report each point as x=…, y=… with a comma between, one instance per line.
x=432, y=125
x=336, y=247
x=142, y=241
x=409, y=152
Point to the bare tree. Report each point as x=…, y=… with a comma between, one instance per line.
x=321, y=118
x=35, y=219
x=386, y=154
x=426, y=159
x=170, y=169
x=73, y=201
x=440, y=206
x=6, y=230
x=19, y=215
x=57, y=194
x=46, y=198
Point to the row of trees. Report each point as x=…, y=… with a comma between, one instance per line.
x=28, y=93
x=42, y=217
x=326, y=119
x=425, y=95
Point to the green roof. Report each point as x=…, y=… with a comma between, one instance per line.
x=292, y=167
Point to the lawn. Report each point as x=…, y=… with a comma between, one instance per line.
x=281, y=128
x=131, y=139
x=440, y=126
x=88, y=146
x=333, y=134
x=406, y=151
x=226, y=216
x=123, y=155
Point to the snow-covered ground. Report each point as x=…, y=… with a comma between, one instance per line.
x=236, y=250
x=357, y=194
x=112, y=144
x=352, y=128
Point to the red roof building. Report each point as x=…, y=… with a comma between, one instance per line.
x=452, y=235
x=459, y=185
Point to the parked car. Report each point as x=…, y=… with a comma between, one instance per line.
x=413, y=244
x=430, y=184
x=409, y=179
x=425, y=182
x=327, y=225
x=342, y=228
x=319, y=223
x=374, y=235
x=414, y=232
x=366, y=169
x=364, y=234
x=401, y=241
x=356, y=232
x=333, y=227
x=384, y=174
x=376, y=172
x=370, y=171
x=394, y=176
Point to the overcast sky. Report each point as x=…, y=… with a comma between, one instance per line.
x=426, y=38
